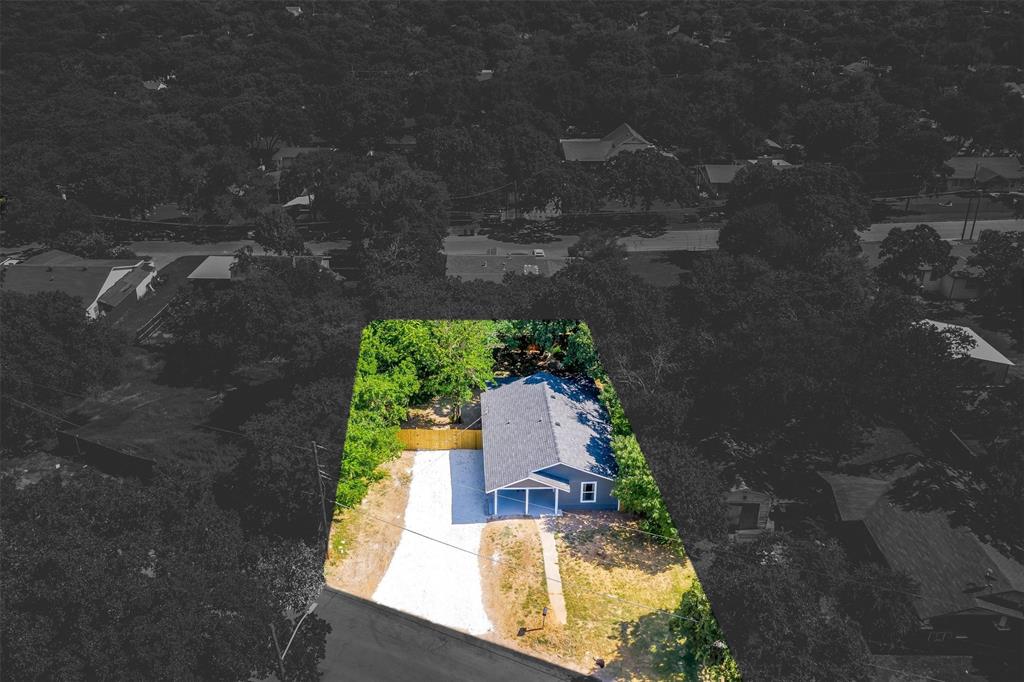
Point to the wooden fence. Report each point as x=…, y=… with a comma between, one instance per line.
x=442, y=439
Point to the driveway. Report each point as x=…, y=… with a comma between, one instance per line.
x=437, y=577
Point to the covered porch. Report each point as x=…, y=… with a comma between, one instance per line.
x=533, y=500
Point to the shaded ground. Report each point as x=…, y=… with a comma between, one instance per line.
x=361, y=547
x=150, y=419
x=617, y=587
x=662, y=268
x=438, y=415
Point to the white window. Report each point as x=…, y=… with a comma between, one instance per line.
x=588, y=491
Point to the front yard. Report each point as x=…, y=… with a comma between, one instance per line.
x=618, y=588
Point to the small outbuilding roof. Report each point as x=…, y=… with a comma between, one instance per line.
x=214, y=267
x=539, y=421
x=982, y=350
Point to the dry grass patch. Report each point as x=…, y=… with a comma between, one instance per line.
x=361, y=547
x=515, y=589
x=617, y=586
x=620, y=588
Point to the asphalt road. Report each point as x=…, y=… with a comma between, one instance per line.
x=369, y=642
x=163, y=252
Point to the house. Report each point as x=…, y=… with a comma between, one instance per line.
x=968, y=589
x=718, y=177
x=995, y=365
x=91, y=280
x=747, y=511
x=485, y=75
x=546, y=447
x=962, y=283
x=987, y=172
x=599, y=149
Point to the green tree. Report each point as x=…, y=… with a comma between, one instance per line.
x=458, y=361
x=647, y=176
x=400, y=217
x=48, y=348
x=905, y=253
x=637, y=491
x=704, y=640
x=117, y=581
x=276, y=232
x=794, y=216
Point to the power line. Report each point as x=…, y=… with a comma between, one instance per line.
x=660, y=537
x=500, y=561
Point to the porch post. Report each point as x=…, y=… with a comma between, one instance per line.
x=527, y=501
x=495, y=502
x=556, y=501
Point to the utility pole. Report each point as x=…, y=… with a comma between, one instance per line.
x=320, y=482
x=977, y=207
x=967, y=216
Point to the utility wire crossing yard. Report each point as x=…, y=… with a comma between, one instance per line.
x=438, y=580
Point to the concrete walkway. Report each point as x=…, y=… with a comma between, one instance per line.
x=551, y=573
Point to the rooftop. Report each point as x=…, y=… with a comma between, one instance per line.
x=982, y=350
x=214, y=267
x=539, y=421
x=949, y=563
x=985, y=168
x=590, y=149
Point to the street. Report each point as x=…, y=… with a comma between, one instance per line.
x=370, y=642
x=163, y=252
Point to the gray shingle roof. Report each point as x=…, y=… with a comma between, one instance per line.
x=541, y=420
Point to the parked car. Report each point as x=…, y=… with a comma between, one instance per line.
x=539, y=253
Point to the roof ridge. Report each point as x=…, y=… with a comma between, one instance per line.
x=548, y=397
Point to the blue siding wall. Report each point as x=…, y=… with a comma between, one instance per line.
x=571, y=500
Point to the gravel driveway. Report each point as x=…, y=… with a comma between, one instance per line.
x=427, y=578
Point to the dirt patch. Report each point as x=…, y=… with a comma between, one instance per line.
x=361, y=547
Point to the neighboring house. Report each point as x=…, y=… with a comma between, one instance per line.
x=485, y=75
x=284, y=157
x=962, y=283
x=218, y=269
x=154, y=85
x=985, y=172
x=747, y=511
x=600, y=149
x=547, y=447
x=718, y=177
x=91, y=280
x=995, y=365
x=968, y=589
x=294, y=10
x=492, y=267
